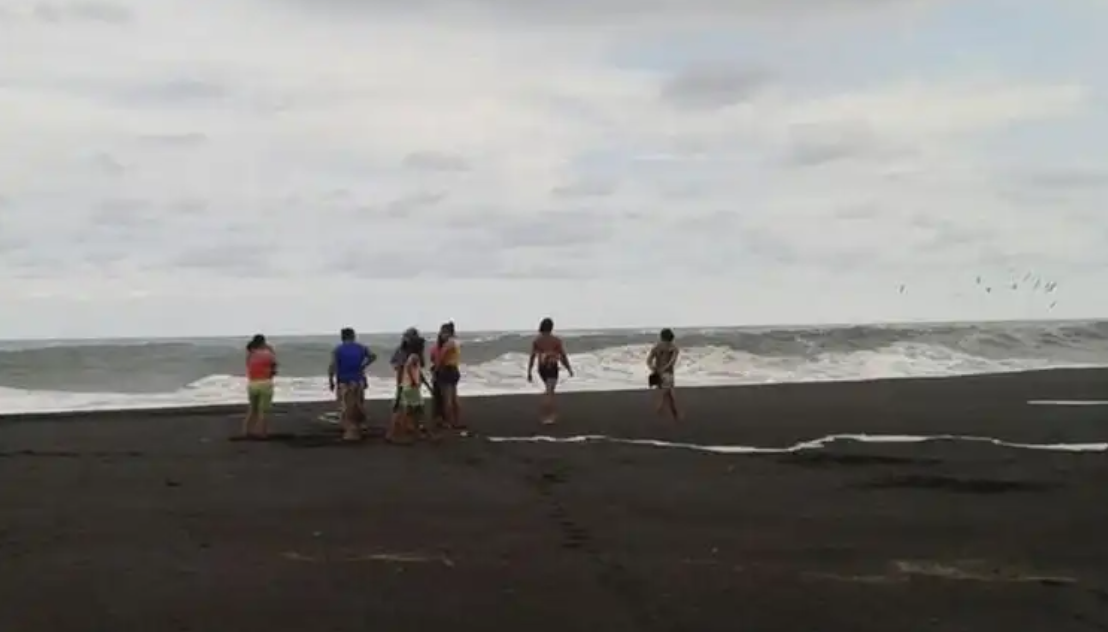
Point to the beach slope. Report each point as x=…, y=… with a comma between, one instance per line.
x=140, y=520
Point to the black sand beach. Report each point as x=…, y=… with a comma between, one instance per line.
x=155, y=521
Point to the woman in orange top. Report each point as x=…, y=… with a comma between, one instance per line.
x=446, y=359
x=261, y=366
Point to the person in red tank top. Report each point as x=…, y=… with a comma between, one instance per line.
x=261, y=367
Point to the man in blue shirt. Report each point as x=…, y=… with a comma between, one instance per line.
x=346, y=378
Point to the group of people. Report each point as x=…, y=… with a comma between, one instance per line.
x=350, y=360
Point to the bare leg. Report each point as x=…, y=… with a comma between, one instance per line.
x=446, y=411
x=394, y=422
x=263, y=424
x=670, y=400
x=450, y=406
x=456, y=408
x=550, y=407
x=438, y=403
x=394, y=425
x=403, y=428
x=248, y=421
x=394, y=418
x=430, y=430
x=660, y=401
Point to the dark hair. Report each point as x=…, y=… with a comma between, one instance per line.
x=445, y=332
x=347, y=334
x=257, y=342
x=414, y=345
x=667, y=335
x=546, y=325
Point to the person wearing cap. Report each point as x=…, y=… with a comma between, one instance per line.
x=347, y=379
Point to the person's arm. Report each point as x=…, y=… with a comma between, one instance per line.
x=564, y=357
x=368, y=359
x=531, y=362
x=331, y=369
x=273, y=362
x=651, y=358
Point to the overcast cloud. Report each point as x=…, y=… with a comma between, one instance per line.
x=175, y=168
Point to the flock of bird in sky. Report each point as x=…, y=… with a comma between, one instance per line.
x=1030, y=281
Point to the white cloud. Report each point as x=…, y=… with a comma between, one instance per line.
x=186, y=153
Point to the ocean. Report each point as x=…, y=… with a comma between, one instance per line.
x=67, y=375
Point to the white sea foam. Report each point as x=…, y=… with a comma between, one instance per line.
x=813, y=444
x=1068, y=402
x=617, y=368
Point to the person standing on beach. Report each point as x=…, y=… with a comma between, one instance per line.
x=347, y=379
x=408, y=341
x=409, y=395
x=662, y=362
x=548, y=352
x=445, y=361
x=261, y=367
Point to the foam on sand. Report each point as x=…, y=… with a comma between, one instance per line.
x=1068, y=402
x=814, y=444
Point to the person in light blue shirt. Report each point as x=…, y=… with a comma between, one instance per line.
x=347, y=379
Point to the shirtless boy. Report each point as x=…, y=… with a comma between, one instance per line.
x=548, y=352
x=662, y=363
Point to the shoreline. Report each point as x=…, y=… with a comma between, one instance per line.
x=322, y=404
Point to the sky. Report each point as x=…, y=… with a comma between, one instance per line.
x=172, y=168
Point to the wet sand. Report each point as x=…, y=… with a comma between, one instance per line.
x=155, y=521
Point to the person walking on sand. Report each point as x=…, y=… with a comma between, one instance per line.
x=662, y=362
x=409, y=395
x=445, y=361
x=261, y=367
x=346, y=378
x=548, y=352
